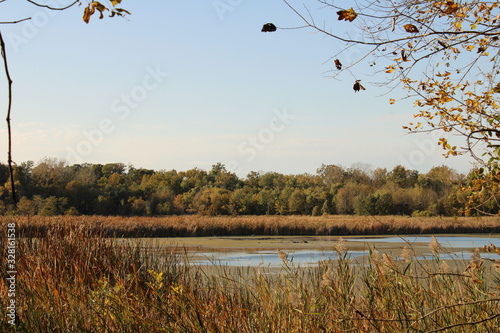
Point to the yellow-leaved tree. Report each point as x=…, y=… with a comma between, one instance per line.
x=445, y=55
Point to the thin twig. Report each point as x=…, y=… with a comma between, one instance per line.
x=53, y=8
x=17, y=21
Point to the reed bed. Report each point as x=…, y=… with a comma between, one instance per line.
x=72, y=279
x=199, y=226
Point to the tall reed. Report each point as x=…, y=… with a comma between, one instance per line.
x=71, y=279
x=201, y=226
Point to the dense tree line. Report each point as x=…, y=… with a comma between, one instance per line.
x=51, y=187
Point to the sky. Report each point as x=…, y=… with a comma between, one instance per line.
x=178, y=85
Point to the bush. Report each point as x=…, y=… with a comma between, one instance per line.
x=421, y=213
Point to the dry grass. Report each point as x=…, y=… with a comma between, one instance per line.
x=197, y=226
x=74, y=280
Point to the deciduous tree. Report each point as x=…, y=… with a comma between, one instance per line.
x=444, y=54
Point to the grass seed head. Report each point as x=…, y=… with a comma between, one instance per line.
x=340, y=247
x=434, y=245
x=283, y=256
x=406, y=254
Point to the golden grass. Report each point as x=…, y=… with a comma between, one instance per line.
x=199, y=226
x=74, y=280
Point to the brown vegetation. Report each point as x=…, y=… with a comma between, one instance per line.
x=199, y=226
x=74, y=280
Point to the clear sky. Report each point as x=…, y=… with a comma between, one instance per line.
x=184, y=84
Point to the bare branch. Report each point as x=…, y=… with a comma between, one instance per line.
x=53, y=8
x=18, y=21
x=9, y=107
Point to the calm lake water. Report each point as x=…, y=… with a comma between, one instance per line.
x=309, y=251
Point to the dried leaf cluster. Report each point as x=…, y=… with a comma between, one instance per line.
x=99, y=7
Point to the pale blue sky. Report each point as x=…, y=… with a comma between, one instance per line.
x=203, y=86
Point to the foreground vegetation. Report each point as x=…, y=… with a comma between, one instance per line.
x=54, y=188
x=199, y=226
x=71, y=279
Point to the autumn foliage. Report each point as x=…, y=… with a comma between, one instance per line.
x=445, y=55
x=52, y=188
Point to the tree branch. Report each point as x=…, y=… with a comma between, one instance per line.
x=18, y=21
x=9, y=106
x=53, y=8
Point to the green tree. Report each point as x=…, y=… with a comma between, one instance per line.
x=331, y=174
x=441, y=179
x=266, y=200
x=297, y=202
x=161, y=202
x=402, y=177
x=138, y=206
x=113, y=168
x=212, y=201
x=243, y=202
x=346, y=197
x=378, y=203
x=272, y=180
x=194, y=179
x=283, y=199
x=221, y=178
x=328, y=206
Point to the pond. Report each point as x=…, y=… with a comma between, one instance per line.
x=310, y=250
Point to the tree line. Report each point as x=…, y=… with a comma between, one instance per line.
x=52, y=188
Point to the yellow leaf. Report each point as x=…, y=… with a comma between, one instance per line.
x=392, y=101
x=389, y=69
x=115, y=2
x=87, y=13
x=347, y=15
x=90, y=10
x=451, y=7
x=411, y=28
x=496, y=89
x=100, y=7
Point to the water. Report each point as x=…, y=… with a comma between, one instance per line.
x=271, y=258
x=309, y=251
x=446, y=241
